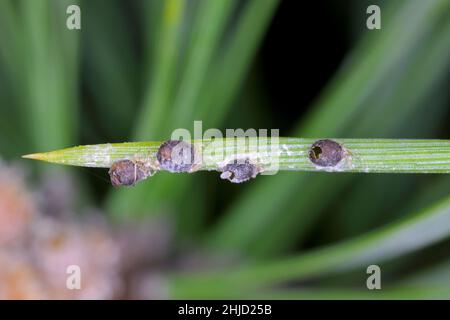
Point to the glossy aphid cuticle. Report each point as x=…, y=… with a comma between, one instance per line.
x=176, y=156
x=239, y=171
x=326, y=153
x=128, y=172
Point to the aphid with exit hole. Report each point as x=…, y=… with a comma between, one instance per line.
x=128, y=172
x=326, y=153
x=176, y=156
x=238, y=172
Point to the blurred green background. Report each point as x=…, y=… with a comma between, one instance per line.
x=137, y=70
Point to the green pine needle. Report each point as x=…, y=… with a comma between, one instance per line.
x=292, y=154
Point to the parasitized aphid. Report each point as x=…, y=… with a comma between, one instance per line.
x=128, y=172
x=326, y=153
x=176, y=156
x=238, y=172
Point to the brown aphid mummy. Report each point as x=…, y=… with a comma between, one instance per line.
x=176, y=156
x=238, y=172
x=326, y=153
x=128, y=172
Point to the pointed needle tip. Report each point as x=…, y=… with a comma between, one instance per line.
x=34, y=156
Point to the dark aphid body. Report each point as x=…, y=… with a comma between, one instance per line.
x=326, y=153
x=176, y=156
x=238, y=172
x=127, y=172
